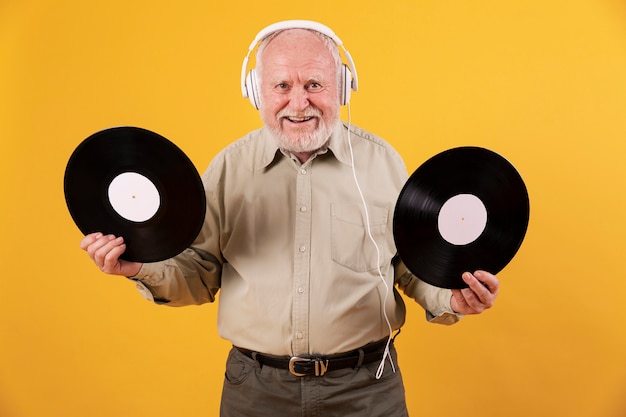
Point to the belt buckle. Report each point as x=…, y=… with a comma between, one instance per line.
x=320, y=366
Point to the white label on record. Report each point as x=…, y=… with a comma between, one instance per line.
x=134, y=197
x=462, y=219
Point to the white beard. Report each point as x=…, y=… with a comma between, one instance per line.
x=305, y=141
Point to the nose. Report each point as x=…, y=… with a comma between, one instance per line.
x=299, y=99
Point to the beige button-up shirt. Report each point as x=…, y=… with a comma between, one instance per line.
x=287, y=247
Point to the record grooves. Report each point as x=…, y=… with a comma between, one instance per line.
x=462, y=210
x=134, y=183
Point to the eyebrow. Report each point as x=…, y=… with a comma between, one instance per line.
x=288, y=80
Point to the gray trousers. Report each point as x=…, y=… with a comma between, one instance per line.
x=252, y=390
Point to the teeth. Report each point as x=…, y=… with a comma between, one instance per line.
x=299, y=119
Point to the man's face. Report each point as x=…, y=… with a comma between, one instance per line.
x=299, y=91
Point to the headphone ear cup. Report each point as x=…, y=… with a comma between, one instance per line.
x=345, y=84
x=252, y=90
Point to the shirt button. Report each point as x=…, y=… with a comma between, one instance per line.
x=299, y=335
x=303, y=171
x=300, y=290
x=302, y=248
x=303, y=209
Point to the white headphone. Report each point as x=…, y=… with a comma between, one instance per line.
x=249, y=82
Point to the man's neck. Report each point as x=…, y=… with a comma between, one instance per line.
x=303, y=156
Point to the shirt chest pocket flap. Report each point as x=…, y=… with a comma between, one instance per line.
x=351, y=245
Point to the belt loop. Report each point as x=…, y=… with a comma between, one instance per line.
x=360, y=361
x=254, y=358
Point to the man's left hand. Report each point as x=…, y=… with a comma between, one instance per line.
x=480, y=294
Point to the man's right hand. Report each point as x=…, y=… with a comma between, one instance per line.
x=105, y=251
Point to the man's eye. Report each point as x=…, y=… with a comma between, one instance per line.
x=315, y=86
x=282, y=86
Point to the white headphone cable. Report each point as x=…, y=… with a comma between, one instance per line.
x=386, y=354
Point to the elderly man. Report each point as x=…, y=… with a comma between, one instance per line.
x=298, y=239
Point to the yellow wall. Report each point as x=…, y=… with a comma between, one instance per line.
x=542, y=82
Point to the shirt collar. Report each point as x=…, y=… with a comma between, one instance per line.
x=338, y=143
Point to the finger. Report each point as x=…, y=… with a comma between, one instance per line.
x=460, y=304
x=477, y=295
x=465, y=302
x=472, y=301
x=477, y=286
x=488, y=280
x=89, y=239
x=96, y=244
x=106, y=245
x=458, y=299
x=111, y=262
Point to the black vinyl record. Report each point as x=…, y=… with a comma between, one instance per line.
x=464, y=209
x=134, y=183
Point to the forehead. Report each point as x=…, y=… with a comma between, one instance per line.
x=297, y=49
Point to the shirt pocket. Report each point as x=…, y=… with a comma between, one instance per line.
x=351, y=245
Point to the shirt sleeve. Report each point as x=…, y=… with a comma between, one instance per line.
x=187, y=279
x=434, y=300
x=194, y=276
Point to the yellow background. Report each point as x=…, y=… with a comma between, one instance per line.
x=543, y=82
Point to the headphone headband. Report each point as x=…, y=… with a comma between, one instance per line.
x=295, y=24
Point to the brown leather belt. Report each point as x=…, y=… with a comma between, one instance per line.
x=319, y=365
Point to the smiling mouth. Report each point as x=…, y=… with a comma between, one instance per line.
x=299, y=119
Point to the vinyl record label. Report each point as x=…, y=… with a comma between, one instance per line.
x=134, y=197
x=462, y=219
